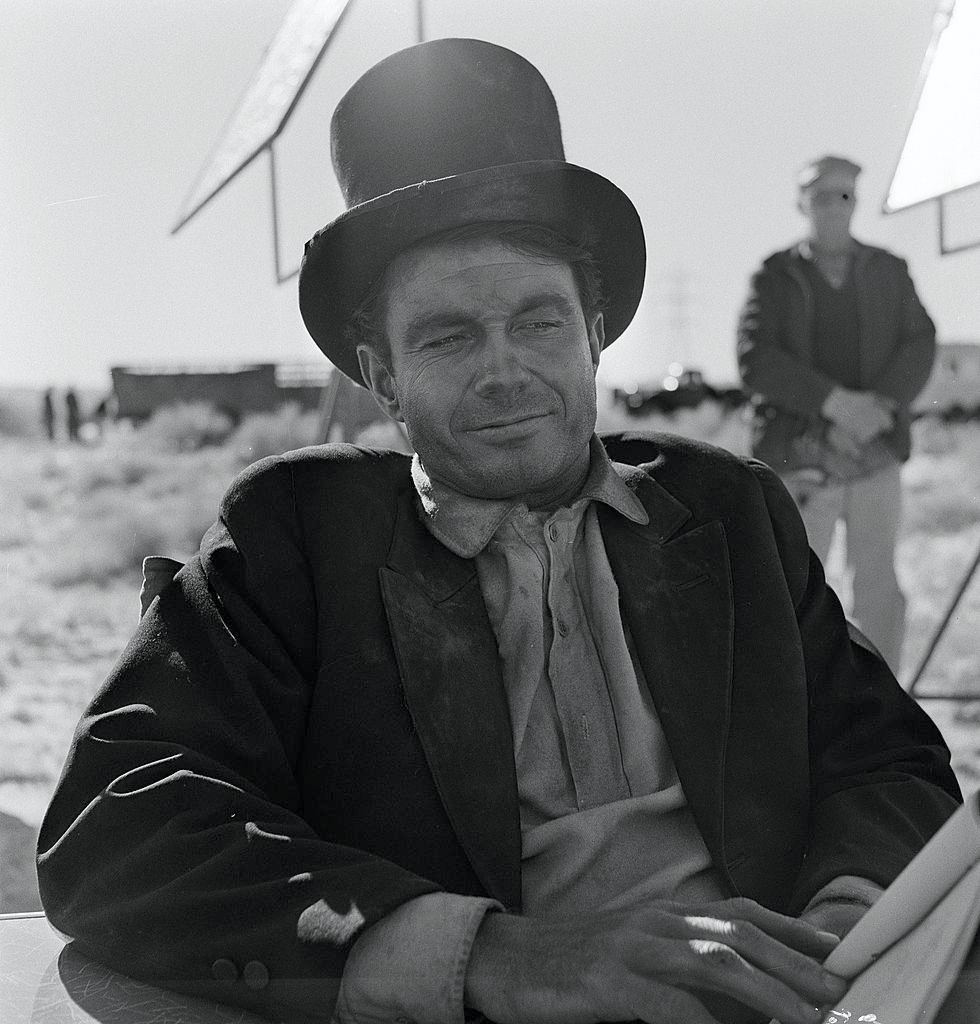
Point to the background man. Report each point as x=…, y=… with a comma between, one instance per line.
x=555, y=728
x=47, y=413
x=834, y=345
x=73, y=415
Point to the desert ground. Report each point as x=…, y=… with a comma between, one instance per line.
x=77, y=519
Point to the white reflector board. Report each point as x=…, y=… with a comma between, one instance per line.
x=942, y=147
x=269, y=98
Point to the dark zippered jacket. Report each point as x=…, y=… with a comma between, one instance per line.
x=775, y=348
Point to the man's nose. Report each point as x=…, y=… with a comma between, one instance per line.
x=501, y=369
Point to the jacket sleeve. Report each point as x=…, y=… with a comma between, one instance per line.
x=174, y=848
x=768, y=369
x=880, y=779
x=909, y=368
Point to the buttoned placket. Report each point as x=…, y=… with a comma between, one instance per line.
x=574, y=666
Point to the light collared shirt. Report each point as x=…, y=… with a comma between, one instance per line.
x=591, y=758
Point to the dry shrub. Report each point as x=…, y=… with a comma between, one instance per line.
x=931, y=436
x=106, y=547
x=942, y=486
x=201, y=476
x=13, y=535
x=35, y=499
x=120, y=467
x=54, y=467
x=112, y=534
x=186, y=427
x=263, y=434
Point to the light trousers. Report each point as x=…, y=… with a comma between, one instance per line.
x=871, y=510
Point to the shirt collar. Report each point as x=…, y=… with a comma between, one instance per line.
x=465, y=524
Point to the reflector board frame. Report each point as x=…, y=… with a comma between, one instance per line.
x=269, y=99
x=941, y=153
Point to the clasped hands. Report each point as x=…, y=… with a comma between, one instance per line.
x=856, y=417
x=658, y=962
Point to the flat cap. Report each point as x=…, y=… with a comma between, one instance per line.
x=828, y=167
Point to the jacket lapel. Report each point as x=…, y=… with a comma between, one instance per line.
x=447, y=657
x=675, y=594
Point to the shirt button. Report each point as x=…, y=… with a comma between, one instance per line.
x=562, y=627
x=256, y=974
x=553, y=532
x=224, y=970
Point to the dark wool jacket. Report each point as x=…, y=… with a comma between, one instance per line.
x=310, y=727
x=775, y=348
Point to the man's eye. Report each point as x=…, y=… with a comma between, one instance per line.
x=540, y=326
x=445, y=340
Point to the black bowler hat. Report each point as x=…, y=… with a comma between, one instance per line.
x=448, y=133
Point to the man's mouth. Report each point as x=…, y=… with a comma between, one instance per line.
x=512, y=420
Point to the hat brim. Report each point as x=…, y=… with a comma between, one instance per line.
x=346, y=257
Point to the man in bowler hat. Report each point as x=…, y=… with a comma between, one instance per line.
x=834, y=345
x=534, y=724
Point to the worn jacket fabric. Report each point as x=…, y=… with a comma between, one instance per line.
x=775, y=348
x=309, y=727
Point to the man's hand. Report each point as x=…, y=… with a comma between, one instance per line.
x=835, y=916
x=862, y=414
x=840, y=439
x=642, y=963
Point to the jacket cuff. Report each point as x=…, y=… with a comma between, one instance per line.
x=411, y=965
x=846, y=889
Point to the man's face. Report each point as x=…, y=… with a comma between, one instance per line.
x=828, y=206
x=492, y=368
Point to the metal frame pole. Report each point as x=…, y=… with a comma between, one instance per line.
x=274, y=192
x=937, y=636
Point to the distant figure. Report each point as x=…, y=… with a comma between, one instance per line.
x=833, y=346
x=101, y=414
x=47, y=413
x=73, y=417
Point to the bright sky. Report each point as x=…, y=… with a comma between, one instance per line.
x=701, y=110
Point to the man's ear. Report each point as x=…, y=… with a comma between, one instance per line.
x=380, y=382
x=597, y=338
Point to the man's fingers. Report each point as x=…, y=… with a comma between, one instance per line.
x=714, y=966
x=791, y=931
x=774, y=958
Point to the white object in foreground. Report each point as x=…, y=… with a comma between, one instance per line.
x=906, y=953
